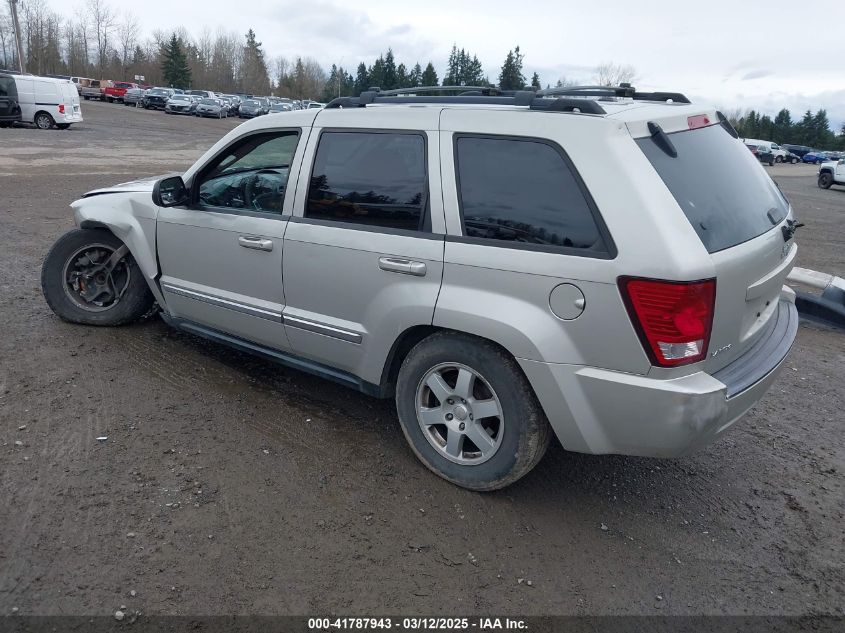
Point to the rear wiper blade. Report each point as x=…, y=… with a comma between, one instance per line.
x=661, y=139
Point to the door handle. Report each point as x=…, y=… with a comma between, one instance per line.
x=257, y=243
x=404, y=266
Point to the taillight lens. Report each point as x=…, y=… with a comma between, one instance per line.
x=673, y=319
x=61, y=108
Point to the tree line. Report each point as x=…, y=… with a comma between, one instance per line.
x=812, y=130
x=101, y=42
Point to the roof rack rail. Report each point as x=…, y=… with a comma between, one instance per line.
x=467, y=95
x=623, y=91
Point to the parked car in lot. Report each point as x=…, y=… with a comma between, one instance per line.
x=798, y=150
x=503, y=274
x=116, y=90
x=814, y=158
x=46, y=102
x=762, y=153
x=94, y=90
x=832, y=173
x=133, y=97
x=250, y=108
x=10, y=109
x=202, y=94
x=280, y=107
x=157, y=98
x=181, y=104
x=791, y=158
x=316, y=105
x=214, y=108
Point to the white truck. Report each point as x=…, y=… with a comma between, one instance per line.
x=832, y=173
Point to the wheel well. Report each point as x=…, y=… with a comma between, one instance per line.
x=825, y=170
x=405, y=343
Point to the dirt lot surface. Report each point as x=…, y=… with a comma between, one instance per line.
x=232, y=485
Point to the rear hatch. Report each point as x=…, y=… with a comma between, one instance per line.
x=9, y=108
x=740, y=216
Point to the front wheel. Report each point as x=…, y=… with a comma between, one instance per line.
x=825, y=180
x=468, y=412
x=90, y=277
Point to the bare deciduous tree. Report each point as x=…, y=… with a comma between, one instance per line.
x=612, y=74
x=128, y=32
x=102, y=23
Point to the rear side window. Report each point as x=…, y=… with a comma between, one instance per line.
x=721, y=188
x=523, y=192
x=374, y=179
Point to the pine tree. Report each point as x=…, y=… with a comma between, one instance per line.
x=254, y=76
x=783, y=127
x=361, y=79
x=174, y=67
x=390, y=77
x=415, y=77
x=535, y=81
x=511, y=77
x=429, y=76
x=376, y=73
x=402, y=77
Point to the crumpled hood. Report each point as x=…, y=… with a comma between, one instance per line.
x=142, y=185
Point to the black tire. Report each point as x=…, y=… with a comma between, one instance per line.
x=86, y=98
x=778, y=159
x=137, y=300
x=794, y=161
x=825, y=180
x=43, y=121
x=527, y=432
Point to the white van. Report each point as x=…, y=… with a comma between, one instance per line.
x=48, y=102
x=776, y=150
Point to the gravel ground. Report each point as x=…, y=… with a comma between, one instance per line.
x=231, y=485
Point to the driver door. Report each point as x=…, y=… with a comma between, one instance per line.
x=221, y=255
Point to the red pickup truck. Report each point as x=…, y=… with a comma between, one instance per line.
x=115, y=90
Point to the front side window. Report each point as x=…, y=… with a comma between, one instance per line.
x=251, y=176
x=374, y=179
x=522, y=192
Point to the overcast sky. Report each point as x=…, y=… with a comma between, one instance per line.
x=733, y=53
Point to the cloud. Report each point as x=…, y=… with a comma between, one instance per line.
x=756, y=74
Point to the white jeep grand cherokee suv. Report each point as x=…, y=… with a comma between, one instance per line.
x=599, y=264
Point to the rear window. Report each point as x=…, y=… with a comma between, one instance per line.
x=721, y=188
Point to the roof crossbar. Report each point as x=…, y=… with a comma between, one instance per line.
x=622, y=91
x=468, y=95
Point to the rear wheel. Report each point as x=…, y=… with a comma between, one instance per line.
x=468, y=412
x=794, y=160
x=778, y=159
x=44, y=121
x=825, y=180
x=90, y=277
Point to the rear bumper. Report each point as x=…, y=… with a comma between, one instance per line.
x=601, y=411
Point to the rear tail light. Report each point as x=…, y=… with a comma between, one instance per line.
x=61, y=108
x=673, y=319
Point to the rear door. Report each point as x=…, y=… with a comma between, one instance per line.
x=740, y=215
x=363, y=253
x=221, y=256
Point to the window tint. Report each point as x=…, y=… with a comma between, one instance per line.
x=522, y=191
x=252, y=176
x=725, y=194
x=8, y=88
x=369, y=178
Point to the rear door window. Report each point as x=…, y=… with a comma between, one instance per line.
x=524, y=193
x=369, y=178
x=721, y=188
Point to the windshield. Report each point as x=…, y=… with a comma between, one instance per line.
x=252, y=103
x=720, y=186
x=159, y=92
x=209, y=102
x=180, y=98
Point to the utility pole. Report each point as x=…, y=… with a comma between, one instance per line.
x=13, y=5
